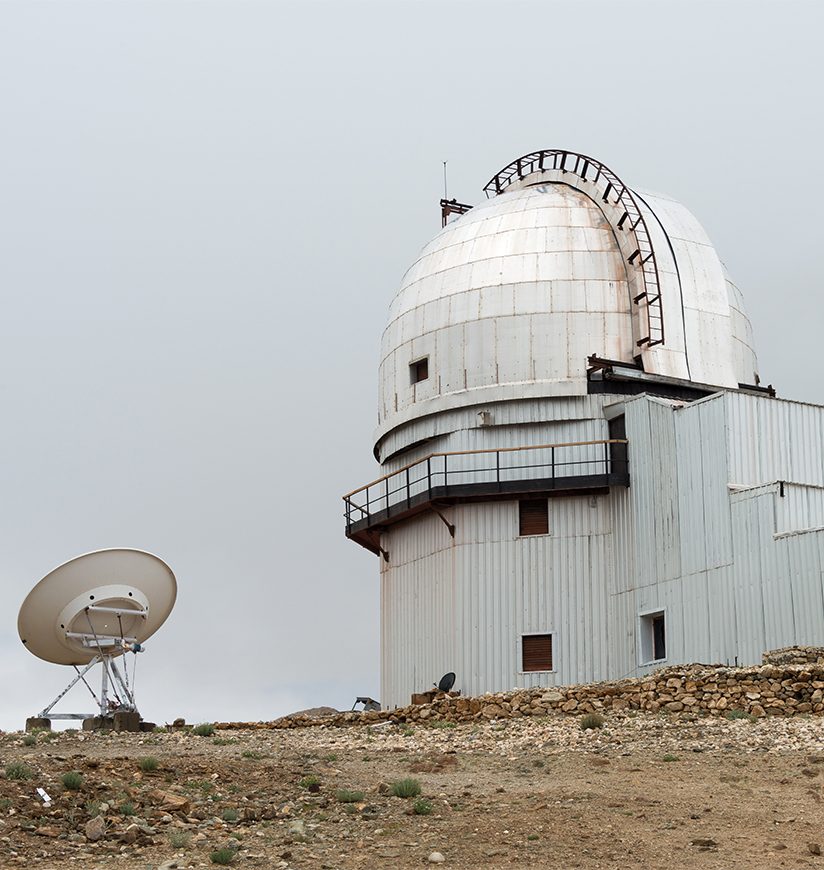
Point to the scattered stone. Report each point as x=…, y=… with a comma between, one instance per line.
x=436, y=858
x=95, y=829
x=705, y=844
x=131, y=833
x=435, y=762
x=170, y=801
x=297, y=831
x=814, y=848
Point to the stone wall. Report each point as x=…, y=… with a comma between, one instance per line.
x=794, y=655
x=688, y=690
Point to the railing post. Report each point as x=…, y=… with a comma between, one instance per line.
x=429, y=475
x=408, y=496
x=498, y=469
x=553, y=464
x=606, y=458
x=386, y=492
x=445, y=470
x=368, y=512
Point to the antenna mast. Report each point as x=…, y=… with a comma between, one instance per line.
x=450, y=206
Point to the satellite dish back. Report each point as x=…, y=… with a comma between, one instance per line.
x=446, y=683
x=93, y=603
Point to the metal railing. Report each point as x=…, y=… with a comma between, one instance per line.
x=628, y=217
x=484, y=472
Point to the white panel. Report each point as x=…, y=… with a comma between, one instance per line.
x=775, y=439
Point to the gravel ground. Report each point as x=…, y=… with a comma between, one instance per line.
x=645, y=791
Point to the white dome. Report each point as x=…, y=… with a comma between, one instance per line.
x=509, y=300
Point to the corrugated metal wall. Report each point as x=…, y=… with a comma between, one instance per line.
x=462, y=429
x=774, y=440
x=728, y=567
x=464, y=604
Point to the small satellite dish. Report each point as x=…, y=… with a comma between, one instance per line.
x=94, y=609
x=446, y=682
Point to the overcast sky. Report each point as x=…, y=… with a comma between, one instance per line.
x=205, y=208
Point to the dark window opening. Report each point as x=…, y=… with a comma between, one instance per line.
x=659, y=643
x=419, y=370
x=536, y=652
x=618, y=452
x=653, y=637
x=533, y=517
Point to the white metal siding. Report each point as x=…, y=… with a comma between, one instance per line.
x=734, y=569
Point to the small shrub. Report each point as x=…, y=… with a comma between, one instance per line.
x=29, y=739
x=224, y=741
x=230, y=815
x=309, y=782
x=205, y=729
x=251, y=753
x=127, y=809
x=222, y=856
x=533, y=837
x=179, y=839
x=591, y=721
x=160, y=729
x=422, y=807
x=72, y=780
x=5, y=804
x=148, y=764
x=93, y=808
x=407, y=730
x=50, y=735
x=732, y=715
x=345, y=796
x=405, y=788
x=18, y=770
x=669, y=757
x=330, y=758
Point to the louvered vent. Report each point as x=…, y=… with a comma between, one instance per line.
x=533, y=516
x=537, y=652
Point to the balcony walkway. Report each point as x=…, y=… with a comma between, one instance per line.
x=442, y=479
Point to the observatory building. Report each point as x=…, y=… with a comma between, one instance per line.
x=582, y=478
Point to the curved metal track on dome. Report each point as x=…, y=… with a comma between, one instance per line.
x=628, y=219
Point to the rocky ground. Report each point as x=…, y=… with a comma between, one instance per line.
x=644, y=790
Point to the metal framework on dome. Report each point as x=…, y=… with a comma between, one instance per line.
x=450, y=207
x=618, y=196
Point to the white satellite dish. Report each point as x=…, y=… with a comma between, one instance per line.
x=92, y=610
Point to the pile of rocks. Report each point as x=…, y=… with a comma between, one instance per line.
x=766, y=690
x=794, y=655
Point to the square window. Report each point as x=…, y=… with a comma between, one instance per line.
x=533, y=517
x=536, y=652
x=419, y=370
x=653, y=636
